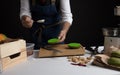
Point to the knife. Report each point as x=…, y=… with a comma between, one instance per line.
x=49, y=47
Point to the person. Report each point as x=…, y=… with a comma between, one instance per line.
x=46, y=19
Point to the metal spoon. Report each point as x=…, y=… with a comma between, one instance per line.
x=40, y=21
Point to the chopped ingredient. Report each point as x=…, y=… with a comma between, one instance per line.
x=78, y=60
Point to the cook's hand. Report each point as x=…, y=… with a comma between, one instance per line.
x=27, y=21
x=65, y=28
x=62, y=36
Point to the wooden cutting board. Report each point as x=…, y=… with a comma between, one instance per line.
x=64, y=51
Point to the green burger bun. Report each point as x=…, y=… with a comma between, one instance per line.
x=53, y=41
x=74, y=45
x=115, y=53
x=114, y=61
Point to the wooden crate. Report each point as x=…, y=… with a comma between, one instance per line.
x=12, y=53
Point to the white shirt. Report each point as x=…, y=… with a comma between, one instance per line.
x=64, y=7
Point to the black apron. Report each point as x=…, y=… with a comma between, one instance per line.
x=50, y=14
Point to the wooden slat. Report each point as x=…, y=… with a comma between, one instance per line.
x=10, y=62
x=11, y=48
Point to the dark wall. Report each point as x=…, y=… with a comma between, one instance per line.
x=9, y=18
x=89, y=17
x=10, y=21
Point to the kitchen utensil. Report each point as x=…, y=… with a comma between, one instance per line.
x=40, y=21
x=111, y=38
x=50, y=48
x=111, y=32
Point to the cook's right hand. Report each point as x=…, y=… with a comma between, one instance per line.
x=27, y=22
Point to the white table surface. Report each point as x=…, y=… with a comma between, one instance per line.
x=55, y=66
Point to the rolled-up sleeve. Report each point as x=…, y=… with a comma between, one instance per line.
x=66, y=11
x=24, y=8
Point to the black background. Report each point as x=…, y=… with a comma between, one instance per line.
x=89, y=17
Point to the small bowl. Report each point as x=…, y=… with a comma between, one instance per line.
x=74, y=45
x=30, y=48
